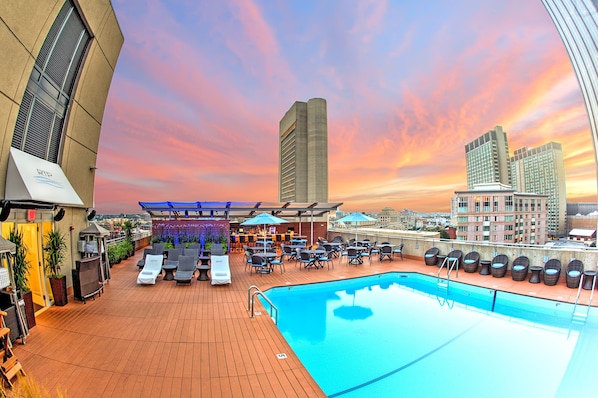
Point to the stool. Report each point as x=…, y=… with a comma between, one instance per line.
x=535, y=274
x=485, y=267
x=588, y=279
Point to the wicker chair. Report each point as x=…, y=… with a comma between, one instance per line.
x=499, y=265
x=573, y=273
x=471, y=261
x=520, y=268
x=454, y=256
x=552, y=272
x=431, y=256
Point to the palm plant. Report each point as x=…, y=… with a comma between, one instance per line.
x=55, y=250
x=21, y=264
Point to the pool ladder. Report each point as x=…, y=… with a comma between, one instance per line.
x=255, y=291
x=450, y=265
x=581, y=316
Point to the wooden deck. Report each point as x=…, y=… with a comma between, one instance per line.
x=168, y=340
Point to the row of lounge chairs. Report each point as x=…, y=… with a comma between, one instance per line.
x=519, y=270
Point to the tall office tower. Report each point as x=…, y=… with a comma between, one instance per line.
x=303, y=153
x=487, y=159
x=541, y=171
x=577, y=23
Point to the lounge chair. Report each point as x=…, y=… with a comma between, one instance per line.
x=398, y=250
x=573, y=273
x=172, y=258
x=431, y=256
x=471, y=261
x=217, y=250
x=499, y=265
x=151, y=269
x=141, y=261
x=552, y=272
x=158, y=248
x=220, y=270
x=520, y=268
x=185, y=269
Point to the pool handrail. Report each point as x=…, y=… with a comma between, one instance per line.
x=250, y=302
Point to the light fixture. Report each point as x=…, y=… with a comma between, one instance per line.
x=91, y=215
x=59, y=215
x=5, y=212
x=92, y=168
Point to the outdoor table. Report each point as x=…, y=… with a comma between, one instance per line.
x=535, y=274
x=168, y=271
x=316, y=253
x=359, y=259
x=588, y=279
x=204, y=260
x=485, y=267
x=203, y=272
x=267, y=256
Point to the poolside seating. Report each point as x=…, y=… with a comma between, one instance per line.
x=289, y=252
x=195, y=246
x=185, y=270
x=499, y=265
x=453, y=259
x=573, y=273
x=217, y=249
x=307, y=260
x=158, y=248
x=431, y=256
x=259, y=264
x=151, y=270
x=552, y=272
x=353, y=256
x=247, y=260
x=386, y=252
x=278, y=261
x=220, y=270
x=327, y=258
x=193, y=252
x=172, y=258
x=520, y=268
x=398, y=250
x=471, y=261
x=141, y=261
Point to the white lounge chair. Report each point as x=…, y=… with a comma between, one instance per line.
x=220, y=270
x=151, y=269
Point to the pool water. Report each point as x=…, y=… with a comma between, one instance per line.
x=399, y=334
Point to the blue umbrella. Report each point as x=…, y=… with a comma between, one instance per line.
x=264, y=219
x=356, y=218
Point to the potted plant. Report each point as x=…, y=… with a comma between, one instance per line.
x=20, y=269
x=55, y=252
x=128, y=228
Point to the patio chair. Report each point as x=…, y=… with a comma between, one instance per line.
x=366, y=254
x=453, y=259
x=259, y=264
x=520, y=268
x=172, y=258
x=499, y=265
x=552, y=272
x=193, y=252
x=158, y=248
x=217, y=249
x=431, y=256
x=141, y=261
x=247, y=260
x=288, y=252
x=195, y=246
x=185, y=269
x=307, y=260
x=220, y=270
x=151, y=270
x=327, y=258
x=573, y=273
x=471, y=261
x=180, y=246
x=386, y=252
x=398, y=250
x=278, y=261
x=353, y=256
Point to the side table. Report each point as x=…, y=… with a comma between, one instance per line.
x=441, y=258
x=588, y=279
x=535, y=274
x=168, y=272
x=203, y=272
x=485, y=267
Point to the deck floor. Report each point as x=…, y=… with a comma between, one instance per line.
x=168, y=340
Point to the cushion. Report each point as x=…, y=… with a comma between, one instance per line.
x=551, y=271
x=468, y=261
x=574, y=273
x=518, y=267
x=498, y=265
x=220, y=274
x=452, y=258
x=429, y=255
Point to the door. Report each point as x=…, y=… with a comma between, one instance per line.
x=32, y=238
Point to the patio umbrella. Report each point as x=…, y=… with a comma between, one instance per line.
x=264, y=219
x=355, y=218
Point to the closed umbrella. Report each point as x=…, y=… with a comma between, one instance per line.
x=356, y=218
x=264, y=219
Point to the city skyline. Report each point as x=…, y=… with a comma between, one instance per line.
x=197, y=94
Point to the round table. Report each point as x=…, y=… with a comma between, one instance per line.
x=168, y=272
x=485, y=267
x=535, y=274
x=203, y=272
x=588, y=279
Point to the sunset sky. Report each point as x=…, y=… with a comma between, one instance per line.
x=201, y=86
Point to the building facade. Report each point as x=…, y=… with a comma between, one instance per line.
x=541, y=170
x=487, y=159
x=58, y=61
x=303, y=153
x=497, y=213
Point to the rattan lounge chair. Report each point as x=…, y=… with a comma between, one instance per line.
x=498, y=267
x=573, y=273
x=552, y=272
x=151, y=269
x=471, y=261
x=185, y=269
x=431, y=256
x=520, y=268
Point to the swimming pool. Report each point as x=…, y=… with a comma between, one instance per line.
x=398, y=334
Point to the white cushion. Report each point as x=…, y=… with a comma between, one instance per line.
x=452, y=258
x=497, y=265
x=518, y=267
x=429, y=255
x=551, y=271
x=468, y=261
x=574, y=273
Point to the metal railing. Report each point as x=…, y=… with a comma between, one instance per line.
x=580, y=316
x=255, y=291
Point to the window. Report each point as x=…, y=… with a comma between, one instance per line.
x=509, y=203
x=486, y=203
x=39, y=127
x=495, y=205
x=477, y=204
x=462, y=219
x=462, y=205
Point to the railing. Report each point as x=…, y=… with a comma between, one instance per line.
x=581, y=316
x=255, y=291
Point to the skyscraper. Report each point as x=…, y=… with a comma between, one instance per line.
x=577, y=24
x=487, y=159
x=303, y=153
x=541, y=170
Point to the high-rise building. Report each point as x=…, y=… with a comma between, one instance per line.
x=487, y=159
x=303, y=153
x=541, y=170
x=577, y=24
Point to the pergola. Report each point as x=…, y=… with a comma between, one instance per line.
x=236, y=211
